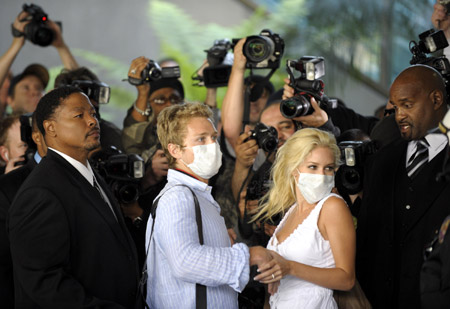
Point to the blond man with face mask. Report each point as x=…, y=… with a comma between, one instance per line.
x=176, y=261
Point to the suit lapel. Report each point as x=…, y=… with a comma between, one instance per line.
x=93, y=197
x=117, y=211
x=429, y=191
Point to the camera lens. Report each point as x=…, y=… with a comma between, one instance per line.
x=295, y=107
x=38, y=34
x=349, y=179
x=258, y=48
x=269, y=144
x=154, y=73
x=127, y=193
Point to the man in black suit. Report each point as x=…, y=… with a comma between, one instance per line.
x=69, y=243
x=403, y=204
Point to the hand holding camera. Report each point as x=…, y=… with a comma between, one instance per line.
x=266, y=137
x=318, y=117
x=246, y=148
x=135, y=72
x=240, y=60
x=143, y=70
x=33, y=24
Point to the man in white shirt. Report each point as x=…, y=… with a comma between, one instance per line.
x=176, y=260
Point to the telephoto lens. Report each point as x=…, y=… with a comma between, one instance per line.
x=296, y=106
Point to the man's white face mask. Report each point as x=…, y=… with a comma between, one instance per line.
x=207, y=160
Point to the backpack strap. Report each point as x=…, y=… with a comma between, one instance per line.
x=200, y=290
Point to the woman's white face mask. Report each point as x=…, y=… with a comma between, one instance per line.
x=314, y=187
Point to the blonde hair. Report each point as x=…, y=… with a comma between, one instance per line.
x=172, y=121
x=282, y=193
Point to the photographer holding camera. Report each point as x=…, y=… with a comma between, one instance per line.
x=441, y=20
x=26, y=90
x=156, y=91
x=233, y=102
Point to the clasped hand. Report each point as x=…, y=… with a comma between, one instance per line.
x=272, y=267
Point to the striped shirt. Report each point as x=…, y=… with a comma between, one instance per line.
x=176, y=261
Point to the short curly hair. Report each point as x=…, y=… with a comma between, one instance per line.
x=172, y=121
x=50, y=102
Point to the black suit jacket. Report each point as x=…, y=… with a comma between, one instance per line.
x=9, y=185
x=68, y=249
x=390, y=252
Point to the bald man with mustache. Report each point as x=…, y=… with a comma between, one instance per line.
x=403, y=204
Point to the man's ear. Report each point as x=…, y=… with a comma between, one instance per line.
x=36, y=136
x=4, y=153
x=437, y=97
x=49, y=127
x=175, y=150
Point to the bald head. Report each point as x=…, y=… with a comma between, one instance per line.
x=419, y=98
x=423, y=76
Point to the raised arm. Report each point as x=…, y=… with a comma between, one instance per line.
x=245, y=156
x=7, y=59
x=233, y=102
x=67, y=59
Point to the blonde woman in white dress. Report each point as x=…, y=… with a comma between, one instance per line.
x=313, y=247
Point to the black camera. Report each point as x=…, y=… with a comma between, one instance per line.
x=263, y=51
x=153, y=71
x=429, y=42
x=350, y=175
x=121, y=171
x=36, y=31
x=220, y=59
x=266, y=137
x=257, y=187
x=306, y=86
x=95, y=90
x=25, y=135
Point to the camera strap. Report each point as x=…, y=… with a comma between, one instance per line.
x=134, y=81
x=200, y=290
x=16, y=33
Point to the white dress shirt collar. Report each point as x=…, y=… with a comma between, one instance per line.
x=437, y=142
x=86, y=171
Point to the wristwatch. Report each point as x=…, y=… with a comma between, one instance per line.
x=140, y=111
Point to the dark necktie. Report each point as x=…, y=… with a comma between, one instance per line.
x=418, y=159
x=96, y=186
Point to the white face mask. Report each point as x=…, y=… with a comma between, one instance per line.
x=315, y=187
x=207, y=160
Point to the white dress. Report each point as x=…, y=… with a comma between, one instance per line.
x=307, y=246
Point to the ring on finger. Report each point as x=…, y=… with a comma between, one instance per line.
x=273, y=276
x=133, y=71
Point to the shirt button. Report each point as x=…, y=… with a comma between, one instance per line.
x=408, y=207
